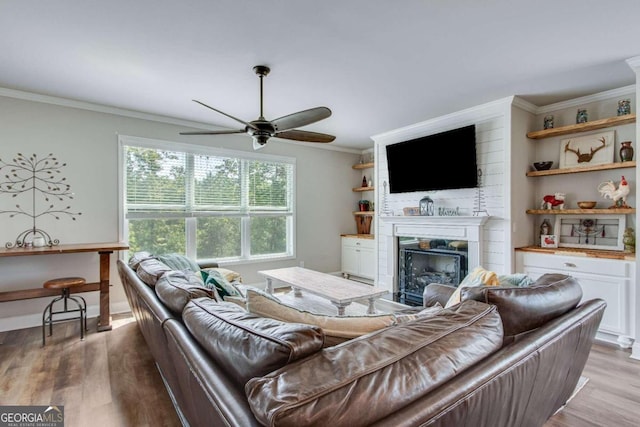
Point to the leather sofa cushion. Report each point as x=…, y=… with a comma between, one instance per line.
x=364, y=379
x=136, y=258
x=336, y=328
x=149, y=270
x=528, y=308
x=246, y=345
x=176, y=288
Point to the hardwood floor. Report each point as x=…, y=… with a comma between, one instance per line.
x=110, y=379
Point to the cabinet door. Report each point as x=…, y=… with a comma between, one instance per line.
x=367, y=263
x=610, y=285
x=350, y=256
x=613, y=290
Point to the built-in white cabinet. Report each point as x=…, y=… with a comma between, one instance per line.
x=358, y=257
x=610, y=279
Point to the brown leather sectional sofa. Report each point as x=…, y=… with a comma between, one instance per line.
x=503, y=357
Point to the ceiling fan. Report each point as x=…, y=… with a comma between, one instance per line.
x=262, y=129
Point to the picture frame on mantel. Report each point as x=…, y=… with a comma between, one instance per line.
x=587, y=150
x=602, y=232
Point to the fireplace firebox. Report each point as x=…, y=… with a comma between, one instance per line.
x=442, y=262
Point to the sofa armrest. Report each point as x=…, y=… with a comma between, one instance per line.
x=436, y=292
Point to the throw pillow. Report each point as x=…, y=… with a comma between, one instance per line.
x=519, y=280
x=215, y=279
x=336, y=328
x=230, y=275
x=478, y=277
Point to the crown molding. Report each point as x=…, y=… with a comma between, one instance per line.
x=577, y=102
x=525, y=105
x=99, y=108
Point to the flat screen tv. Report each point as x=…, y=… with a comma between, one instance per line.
x=443, y=161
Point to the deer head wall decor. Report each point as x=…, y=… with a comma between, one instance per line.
x=585, y=157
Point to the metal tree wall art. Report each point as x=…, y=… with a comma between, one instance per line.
x=40, y=179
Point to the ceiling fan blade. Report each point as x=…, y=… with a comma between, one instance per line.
x=305, y=136
x=301, y=118
x=228, y=115
x=213, y=132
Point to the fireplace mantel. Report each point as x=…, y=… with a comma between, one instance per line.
x=444, y=227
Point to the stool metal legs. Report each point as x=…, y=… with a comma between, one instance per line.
x=47, y=315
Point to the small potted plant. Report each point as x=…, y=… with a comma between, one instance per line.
x=363, y=205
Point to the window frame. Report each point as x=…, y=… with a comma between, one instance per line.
x=191, y=217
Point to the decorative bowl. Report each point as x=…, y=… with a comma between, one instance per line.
x=587, y=204
x=542, y=166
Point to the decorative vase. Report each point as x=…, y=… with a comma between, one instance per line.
x=626, y=151
x=624, y=107
x=582, y=116
x=545, y=228
x=548, y=122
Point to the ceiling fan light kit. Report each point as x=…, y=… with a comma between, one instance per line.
x=262, y=129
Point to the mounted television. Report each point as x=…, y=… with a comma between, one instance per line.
x=443, y=161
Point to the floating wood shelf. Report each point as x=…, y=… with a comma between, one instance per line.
x=364, y=213
x=613, y=211
x=363, y=189
x=606, y=166
x=363, y=165
x=582, y=127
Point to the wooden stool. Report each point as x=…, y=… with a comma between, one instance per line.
x=65, y=283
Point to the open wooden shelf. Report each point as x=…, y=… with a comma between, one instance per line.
x=582, y=127
x=364, y=213
x=363, y=165
x=363, y=189
x=606, y=166
x=612, y=211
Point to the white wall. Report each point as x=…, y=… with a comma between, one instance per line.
x=86, y=140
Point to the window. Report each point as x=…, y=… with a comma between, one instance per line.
x=206, y=203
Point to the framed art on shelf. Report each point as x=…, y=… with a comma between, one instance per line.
x=590, y=231
x=588, y=150
x=548, y=241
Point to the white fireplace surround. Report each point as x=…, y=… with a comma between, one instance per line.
x=468, y=228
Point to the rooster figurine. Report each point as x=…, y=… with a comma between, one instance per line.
x=608, y=190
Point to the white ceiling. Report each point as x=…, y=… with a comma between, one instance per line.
x=378, y=65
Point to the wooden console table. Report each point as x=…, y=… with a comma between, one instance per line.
x=103, y=249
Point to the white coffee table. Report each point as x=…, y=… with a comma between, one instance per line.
x=341, y=292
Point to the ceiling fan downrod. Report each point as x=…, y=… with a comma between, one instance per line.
x=261, y=71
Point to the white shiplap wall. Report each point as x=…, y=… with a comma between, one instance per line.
x=492, y=122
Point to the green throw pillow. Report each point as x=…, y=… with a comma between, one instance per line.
x=215, y=279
